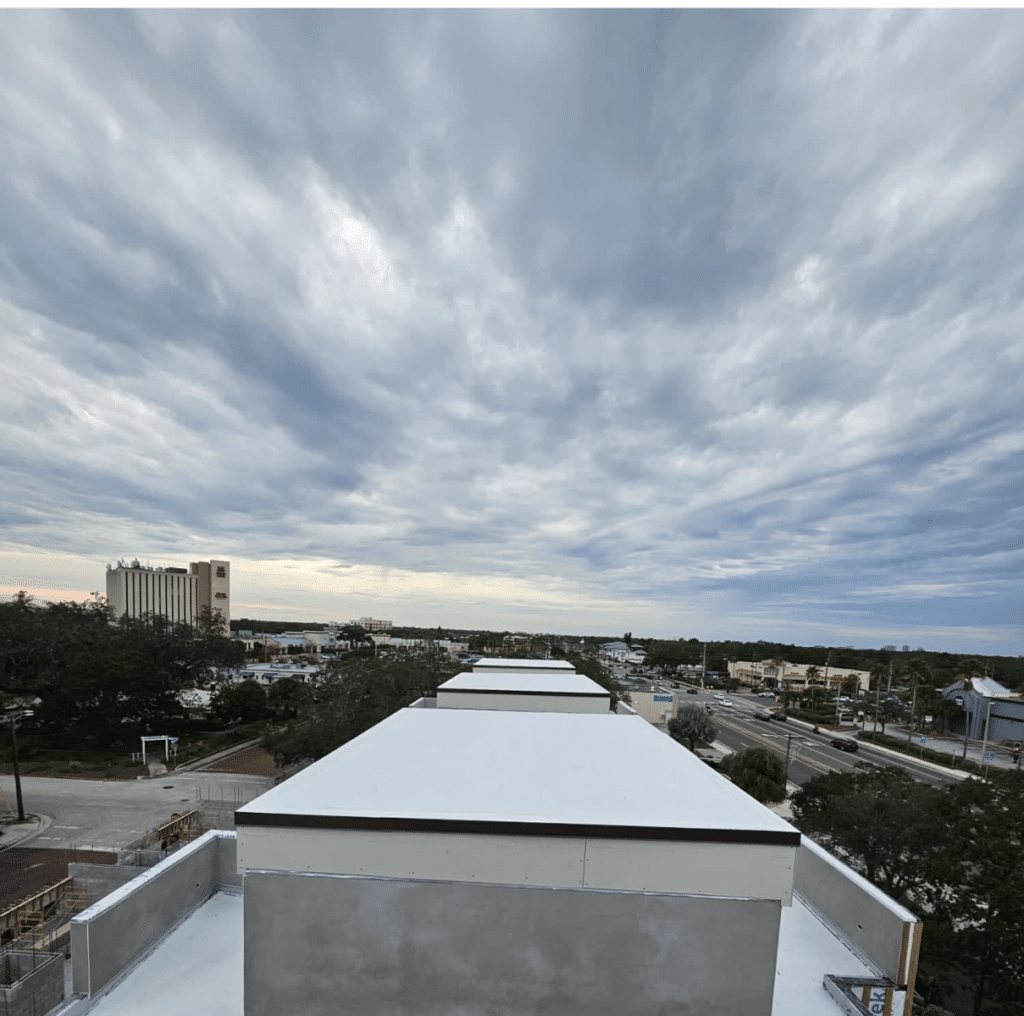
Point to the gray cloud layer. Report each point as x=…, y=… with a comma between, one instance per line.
x=709, y=311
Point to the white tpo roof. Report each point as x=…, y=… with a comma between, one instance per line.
x=503, y=663
x=481, y=766
x=549, y=682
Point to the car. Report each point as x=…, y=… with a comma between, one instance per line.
x=691, y=691
x=766, y=694
x=726, y=702
x=761, y=715
x=781, y=717
x=843, y=744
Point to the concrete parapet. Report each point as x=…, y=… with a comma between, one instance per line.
x=112, y=934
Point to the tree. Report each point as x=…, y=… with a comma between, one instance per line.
x=239, y=703
x=691, y=726
x=758, y=771
x=285, y=697
x=590, y=666
x=975, y=891
x=354, y=694
x=882, y=822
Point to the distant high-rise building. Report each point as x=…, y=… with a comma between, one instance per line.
x=137, y=590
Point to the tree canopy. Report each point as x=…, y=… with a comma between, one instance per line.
x=100, y=678
x=758, y=771
x=354, y=694
x=955, y=854
x=692, y=726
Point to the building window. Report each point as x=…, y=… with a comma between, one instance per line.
x=220, y=572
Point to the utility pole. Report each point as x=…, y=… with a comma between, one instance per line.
x=888, y=690
x=984, y=743
x=704, y=668
x=789, y=742
x=17, y=772
x=913, y=704
x=878, y=695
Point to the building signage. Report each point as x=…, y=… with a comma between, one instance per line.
x=662, y=698
x=922, y=740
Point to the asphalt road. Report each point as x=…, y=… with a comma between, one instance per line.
x=109, y=814
x=811, y=754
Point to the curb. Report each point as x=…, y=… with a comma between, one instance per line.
x=25, y=833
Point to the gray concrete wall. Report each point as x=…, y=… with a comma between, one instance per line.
x=322, y=944
x=870, y=920
x=110, y=935
x=39, y=990
x=100, y=879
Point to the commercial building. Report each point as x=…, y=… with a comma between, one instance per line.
x=543, y=861
x=554, y=691
x=986, y=703
x=373, y=624
x=783, y=676
x=138, y=590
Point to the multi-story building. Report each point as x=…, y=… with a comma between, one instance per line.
x=565, y=859
x=138, y=590
x=373, y=624
x=778, y=674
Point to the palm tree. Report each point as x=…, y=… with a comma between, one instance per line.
x=812, y=675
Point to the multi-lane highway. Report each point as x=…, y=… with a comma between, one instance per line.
x=810, y=754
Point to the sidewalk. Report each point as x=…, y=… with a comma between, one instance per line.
x=17, y=833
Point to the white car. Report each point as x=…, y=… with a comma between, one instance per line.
x=726, y=702
x=766, y=694
x=719, y=697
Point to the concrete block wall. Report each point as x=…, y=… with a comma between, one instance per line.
x=113, y=933
x=39, y=990
x=339, y=944
x=101, y=879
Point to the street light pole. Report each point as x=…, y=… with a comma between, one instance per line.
x=17, y=771
x=789, y=742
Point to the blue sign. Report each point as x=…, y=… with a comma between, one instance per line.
x=922, y=740
x=662, y=698
x=989, y=756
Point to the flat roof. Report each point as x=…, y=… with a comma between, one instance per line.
x=519, y=773
x=196, y=968
x=500, y=662
x=557, y=682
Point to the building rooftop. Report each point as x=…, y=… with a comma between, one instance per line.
x=198, y=966
x=501, y=663
x=574, y=774
x=550, y=682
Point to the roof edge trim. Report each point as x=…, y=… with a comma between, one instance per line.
x=764, y=837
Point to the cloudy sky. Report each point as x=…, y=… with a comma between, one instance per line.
x=691, y=324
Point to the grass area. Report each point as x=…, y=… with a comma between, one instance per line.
x=39, y=756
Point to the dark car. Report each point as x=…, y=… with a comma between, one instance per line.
x=767, y=717
x=691, y=691
x=781, y=717
x=843, y=744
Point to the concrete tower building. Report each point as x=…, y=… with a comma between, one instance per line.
x=137, y=590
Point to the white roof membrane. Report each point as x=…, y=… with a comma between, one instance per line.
x=526, y=773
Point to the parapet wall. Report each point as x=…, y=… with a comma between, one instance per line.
x=886, y=934
x=322, y=944
x=112, y=934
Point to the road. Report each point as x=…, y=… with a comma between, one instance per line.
x=109, y=814
x=811, y=754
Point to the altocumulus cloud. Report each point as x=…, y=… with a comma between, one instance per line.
x=686, y=323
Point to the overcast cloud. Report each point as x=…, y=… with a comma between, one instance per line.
x=698, y=323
